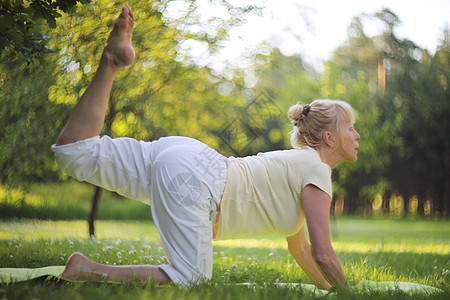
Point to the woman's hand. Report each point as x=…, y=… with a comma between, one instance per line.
x=300, y=249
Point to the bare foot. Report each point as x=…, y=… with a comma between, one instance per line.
x=78, y=267
x=119, y=49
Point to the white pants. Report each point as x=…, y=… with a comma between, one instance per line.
x=183, y=177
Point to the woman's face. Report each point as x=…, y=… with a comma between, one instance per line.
x=349, y=143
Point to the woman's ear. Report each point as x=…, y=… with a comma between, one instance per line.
x=328, y=138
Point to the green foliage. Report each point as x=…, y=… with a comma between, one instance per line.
x=418, y=93
x=21, y=25
x=163, y=93
x=285, y=81
x=28, y=123
x=400, y=95
x=399, y=92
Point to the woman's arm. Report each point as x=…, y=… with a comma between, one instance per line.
x=316, y=206
x=300, y=249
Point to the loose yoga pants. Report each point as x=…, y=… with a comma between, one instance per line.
x=184, y=179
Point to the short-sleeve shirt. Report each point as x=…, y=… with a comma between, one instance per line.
x=263, y=192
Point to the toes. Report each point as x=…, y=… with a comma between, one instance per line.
x=126, y=11
x=125, y=20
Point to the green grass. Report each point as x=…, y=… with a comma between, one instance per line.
x=374, y=249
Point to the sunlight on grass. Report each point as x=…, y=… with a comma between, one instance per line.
x=367, y=236
x=379, y=255
x=363, y=247
x=398, y=247
x=38, y=229
x=272, y=242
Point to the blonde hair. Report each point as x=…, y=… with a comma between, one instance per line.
x=311, y=121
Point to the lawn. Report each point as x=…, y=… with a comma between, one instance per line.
x=369, y=248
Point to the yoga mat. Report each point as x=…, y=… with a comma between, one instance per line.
x=407, y=287
x=23, y=274
x=11, y=275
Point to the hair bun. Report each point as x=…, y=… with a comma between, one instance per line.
x=295, y=112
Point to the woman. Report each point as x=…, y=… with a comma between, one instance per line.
x=197, y=194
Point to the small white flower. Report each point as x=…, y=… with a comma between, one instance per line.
x=233, y=267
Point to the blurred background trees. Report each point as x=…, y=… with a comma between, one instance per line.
x=398, y=90
x=21, y=32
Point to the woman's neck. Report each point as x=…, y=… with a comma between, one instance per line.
x=327, y=155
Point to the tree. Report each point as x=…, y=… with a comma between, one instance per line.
x=21, y=31
x=163, y=93
x=418, y=91
x=28, y=123
x=400, y=95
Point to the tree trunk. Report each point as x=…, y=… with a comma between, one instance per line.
x=406, y=198
x=94, y=209
x=421, y=204
x=96, y=198
x=385, y=203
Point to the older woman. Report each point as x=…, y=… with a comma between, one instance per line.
x=197, y=194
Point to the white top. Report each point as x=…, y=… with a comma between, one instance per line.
x=263, y=192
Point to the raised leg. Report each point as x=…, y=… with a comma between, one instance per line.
x=78, y=267
x=88, y=117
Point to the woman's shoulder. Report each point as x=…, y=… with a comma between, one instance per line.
x=292, y=154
